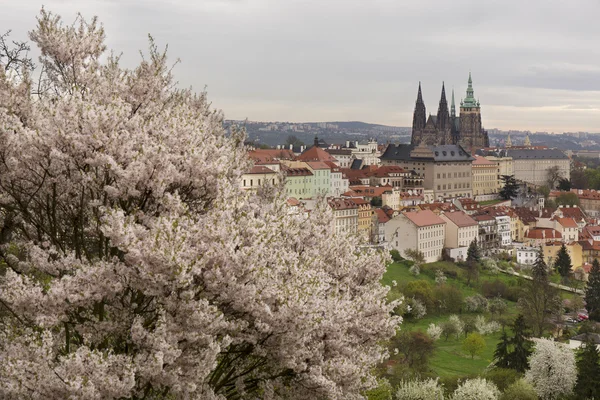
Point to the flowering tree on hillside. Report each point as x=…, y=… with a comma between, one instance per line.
x=552, y=370
x=135, y=265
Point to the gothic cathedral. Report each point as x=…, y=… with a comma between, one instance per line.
x=446, y=127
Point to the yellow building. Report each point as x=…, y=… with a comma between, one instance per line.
x=485, y=176
x=365, y=218
x=574, y=249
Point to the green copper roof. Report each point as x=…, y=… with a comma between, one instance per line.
x=470, y=101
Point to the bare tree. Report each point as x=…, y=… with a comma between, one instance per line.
x=14, y=55
x=554, y=175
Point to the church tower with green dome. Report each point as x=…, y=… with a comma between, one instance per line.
x=447, y=128
x=472, y=135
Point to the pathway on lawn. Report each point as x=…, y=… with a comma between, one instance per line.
x=556, y=285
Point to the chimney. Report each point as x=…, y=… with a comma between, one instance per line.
x=316, y=142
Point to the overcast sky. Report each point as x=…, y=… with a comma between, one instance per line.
x=535, y=63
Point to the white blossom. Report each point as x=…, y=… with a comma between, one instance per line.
x=476, y=389
x=434, y=331
x=552, y=370
x=137, y=267
x=429, y=389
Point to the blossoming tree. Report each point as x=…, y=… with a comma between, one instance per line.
x=136, y=267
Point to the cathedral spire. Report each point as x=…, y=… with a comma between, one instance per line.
x=419, y=118
x=443, y=118
x=470, y=99
x=452, y=106
x=508, y=142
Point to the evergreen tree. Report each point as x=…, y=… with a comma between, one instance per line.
x=473, y=254
x=502, y=353
x=592, y=292
x=473, y=258
x=538, y=297
x=510, y=187
x=521, y=345
x=588, y=370
x=563, y=262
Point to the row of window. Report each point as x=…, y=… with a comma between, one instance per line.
x=463, y=174
x=258, y=182
x=460, y=185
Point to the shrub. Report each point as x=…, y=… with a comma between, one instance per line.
x=476, y=389
x=383, y=391
x=448, y=299
x=415, y=270
x=476, y=303
x=429, y=389
x=416, y=308
x=440, y=277
x=495, y=288
x=396, y=257
x=519, y=390
x=434, y=331
x=486, y=328
x=422, y=291
x=502, y=377
x=451, y=270
x=497, y=306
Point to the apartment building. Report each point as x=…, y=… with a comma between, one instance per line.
x=345, y=215
x=485, y=176
x=417, y=230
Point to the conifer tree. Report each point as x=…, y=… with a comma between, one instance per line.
x=592, y=292
x=538, y=297
x=563, y=262
x=588, y=371
x=502, y=353
x=473, y=253
x=521, y=345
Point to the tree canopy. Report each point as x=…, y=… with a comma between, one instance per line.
x=136, y=266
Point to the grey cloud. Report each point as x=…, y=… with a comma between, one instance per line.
x=533, y=62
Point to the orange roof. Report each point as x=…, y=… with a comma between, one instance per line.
x=371, y=191
x=296, y=171
x=386, y=171
x=315, y=153
x=342, y=204
x=259, y=169
x=572, y=212
x=360, y=201
x=292, y=201
x=543, y=233
x=382, y=216
x=567, y=222
x=460, y=218
x=424, y=218
x=317, y=165
x=480, y=160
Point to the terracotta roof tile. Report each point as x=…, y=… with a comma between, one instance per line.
x=460, y=218
x=424, y=218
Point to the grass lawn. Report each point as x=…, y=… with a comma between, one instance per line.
x=449, y=360
x=491, y=202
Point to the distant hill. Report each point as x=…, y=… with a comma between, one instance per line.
x=358, y=125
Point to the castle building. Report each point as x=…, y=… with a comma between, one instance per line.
x=446, y=127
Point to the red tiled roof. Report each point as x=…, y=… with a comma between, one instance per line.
x=385, y=171
x=424, y=218
x=567, y=222
x=382, y=217
x=438, y=206
x=292, y=201
x=317, y=165
x=460, y=218
x=342, y=204
x=543, y=233
x=315, y=153
x=525, y=214
x=296, y=171
x=480, y=160
x=371, y=191
x=572, y=212
x=260, y=169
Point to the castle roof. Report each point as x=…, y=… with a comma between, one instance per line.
x=536, y=154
